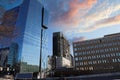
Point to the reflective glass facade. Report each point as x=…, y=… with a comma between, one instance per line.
x=27, y=31
x=13, y=55
x=3, y=56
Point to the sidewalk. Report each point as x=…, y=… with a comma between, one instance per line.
x=7, y=77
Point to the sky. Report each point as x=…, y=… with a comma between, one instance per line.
x=79, y=19
x=84, y=19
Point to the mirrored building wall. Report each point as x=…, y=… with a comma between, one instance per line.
x=25, y=24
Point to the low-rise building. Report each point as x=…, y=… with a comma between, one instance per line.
x=100, y=55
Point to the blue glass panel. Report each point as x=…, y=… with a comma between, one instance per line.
x=24, y=76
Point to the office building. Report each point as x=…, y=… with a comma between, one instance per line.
x=61, y=45
x=49, y=63
x=100, y=55
x=61, y=51
x=24, y=23
x=62, y=62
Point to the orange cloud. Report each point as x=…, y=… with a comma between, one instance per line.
x=86, y=15
x=78, y=9
x=73, y=16
x=76, y=6
x=102, y=13
x=82, y=38
x=105, y=23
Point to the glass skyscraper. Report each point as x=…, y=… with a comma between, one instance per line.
x=25, y=33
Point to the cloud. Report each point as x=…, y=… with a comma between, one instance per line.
x=79, y=16
x=75, y=39
x=100, y=17
x=105, y=23
x=101, y=13
x=71, y=16
x=77, y=11
x=75, y=6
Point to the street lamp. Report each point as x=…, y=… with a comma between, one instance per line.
x=42, y=28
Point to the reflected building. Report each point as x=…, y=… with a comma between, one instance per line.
x=100, y=55
x=3, y=56
x=23, y=24
x=9, y=56
x=13, y=55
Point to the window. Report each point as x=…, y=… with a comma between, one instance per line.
x=117, y=54
x=75, y=49
x=90, y=68
x=77, y=64
x=74, y=45
x=99, y=61
x=104, y=61
x=81, y=68
x=94, y=62
x=81, y=63
x=76, y=54
x=76, y=59
x=90, y=62
x=114, y=60
x=85, y=63
x=107, y=55
x=80, y=58
x=118, y=60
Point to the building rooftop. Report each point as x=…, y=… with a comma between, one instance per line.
x=105, y=36
x=111, y=35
